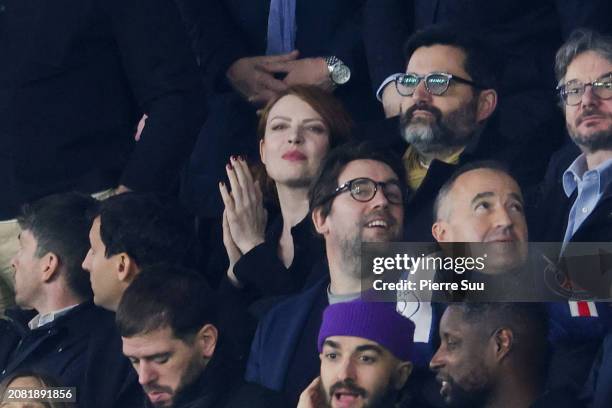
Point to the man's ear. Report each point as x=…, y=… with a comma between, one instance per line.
x=503, y=340
x=49, y=266
x=439, y=230
x=403, y=371
x=126, y=268
x=320, y=221
x=206, y=339
x=487, y=102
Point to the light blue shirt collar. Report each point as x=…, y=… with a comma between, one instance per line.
x=577, y=170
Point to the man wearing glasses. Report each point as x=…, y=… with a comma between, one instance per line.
x=358, y=197
x=447, y=96
x=575, y=204
x=579, y=177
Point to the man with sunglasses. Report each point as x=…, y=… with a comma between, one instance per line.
x=357, y=197
x=579, y=177
x=448, y=95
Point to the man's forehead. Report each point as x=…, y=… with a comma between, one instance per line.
x=372, y=169
x=352, y=343
x=452, y=321
x=153, y=342
x=437, y=58
x=587, y=67
x=484, y=181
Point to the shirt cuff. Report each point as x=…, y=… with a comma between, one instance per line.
x=390, y=78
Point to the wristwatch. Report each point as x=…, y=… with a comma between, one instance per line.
x=338, y=71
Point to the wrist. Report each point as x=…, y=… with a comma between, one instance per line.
x=249, y=245
x=339, y=72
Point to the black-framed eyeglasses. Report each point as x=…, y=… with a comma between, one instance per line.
x=436, y=83
x=572, y=91
x=364, y=189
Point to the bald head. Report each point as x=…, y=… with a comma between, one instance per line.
x=482, y=204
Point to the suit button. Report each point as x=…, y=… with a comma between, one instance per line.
x=59, y=350
x=3, y=372
x=585, y=210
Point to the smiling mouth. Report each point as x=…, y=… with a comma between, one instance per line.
x=378, y=224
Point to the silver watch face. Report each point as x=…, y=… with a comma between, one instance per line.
x=341, y=74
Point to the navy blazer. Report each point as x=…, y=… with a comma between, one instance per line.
x=81, y=349
x=277, y=337
x=598, y=389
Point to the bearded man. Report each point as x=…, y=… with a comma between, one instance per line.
x=447, y=96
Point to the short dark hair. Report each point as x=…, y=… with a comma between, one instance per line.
x=481, y=62
x=60, y=224
x=326, y=180
x=149, y=228
x=527, y=321
x=166, y=296
x=476, y=165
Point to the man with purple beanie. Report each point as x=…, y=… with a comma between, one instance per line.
x=365, y=348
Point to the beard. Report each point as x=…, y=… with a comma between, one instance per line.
x=601, y=140
x=474, y=391
x=383, y=398
x=192, y=373
x=455, y=129
x=350, y=244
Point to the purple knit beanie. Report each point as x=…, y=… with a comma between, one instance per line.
x=375, y=321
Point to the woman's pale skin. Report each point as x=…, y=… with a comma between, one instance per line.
x=295, y=142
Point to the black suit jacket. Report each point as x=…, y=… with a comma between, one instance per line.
x=548, y=219
x=226, y=30
x=75, y=78
x=80, y=349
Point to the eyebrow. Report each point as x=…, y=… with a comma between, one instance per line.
x=370, y=347
x=149, y=357
x=280, y=117
x=312, y=120
x=487, y=194
x=331, y=343
x=517, y=197
x=607, y=74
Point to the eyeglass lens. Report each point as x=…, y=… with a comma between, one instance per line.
x=573, y=91
x=436, y=84
x=364, y=190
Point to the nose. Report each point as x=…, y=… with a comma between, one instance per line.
x=146, y=373
x=86, y=261
x=437, y=361
x=379, y=199
x=421, y=93
x=502, y=218
x=296, y=135
x=347, y=371
x=588, y=97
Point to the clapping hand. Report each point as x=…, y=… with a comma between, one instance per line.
x=244, y=217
